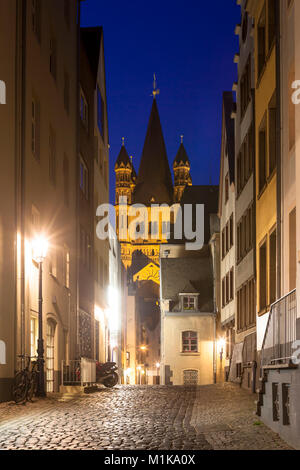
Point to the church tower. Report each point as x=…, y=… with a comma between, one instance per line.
x=181, y=168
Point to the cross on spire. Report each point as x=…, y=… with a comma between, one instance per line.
x=181, y=137
x=123, y=141
x=155, y=89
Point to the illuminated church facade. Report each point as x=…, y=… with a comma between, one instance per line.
x=151, y=185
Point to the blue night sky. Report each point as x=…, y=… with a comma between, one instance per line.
x=190, y=46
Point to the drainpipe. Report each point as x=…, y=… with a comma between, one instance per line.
x=20, y=93
x=278, y=145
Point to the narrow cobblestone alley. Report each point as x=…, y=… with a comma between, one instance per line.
x=145, y=418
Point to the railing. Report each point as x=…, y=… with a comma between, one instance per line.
x=79, y=372
x=280, y=332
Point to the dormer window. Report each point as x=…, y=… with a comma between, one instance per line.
x=189, y=302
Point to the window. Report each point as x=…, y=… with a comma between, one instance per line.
x=189, y=341
x=36, y=18
x=245, y=162
x=66, y=181
x=271, y=22
x=272, y=135
x=189, y=303
x=67, y=92
x=33, y=336
x=231, y=230
x=262, y=158
x=35, y=128
x=292, y=110
x=84, y=110
x=226, y=188
x=84, y=179
x=246, y=306
x=292, y=250
x=261, y=42
x=263, y=276
x=100, y=112
x=272, y=266
x=52, y=156
x=245, y=239
x=53, y=262
x=245, y=88
x=53, y=58
x=223, y=293
x=50, y=356
x=66, y=267
x=231, y=283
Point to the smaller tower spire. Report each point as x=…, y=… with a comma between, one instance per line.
x=155, y=89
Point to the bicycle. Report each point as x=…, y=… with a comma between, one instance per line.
x=25, y=381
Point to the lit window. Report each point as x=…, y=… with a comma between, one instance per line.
x=189, y=341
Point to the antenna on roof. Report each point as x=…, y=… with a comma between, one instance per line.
x=155, y=89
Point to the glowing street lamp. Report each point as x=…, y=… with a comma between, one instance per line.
x=39, y=253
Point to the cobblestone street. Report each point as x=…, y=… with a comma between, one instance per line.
x=124, y=418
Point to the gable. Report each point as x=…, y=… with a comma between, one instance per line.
x=148, y=273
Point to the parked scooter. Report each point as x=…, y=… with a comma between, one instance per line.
x=106, y=374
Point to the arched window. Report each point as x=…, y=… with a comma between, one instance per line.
x=189, y=341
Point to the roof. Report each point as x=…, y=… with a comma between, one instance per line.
x=123, y=157
x=91, y=40
x=179, y=274
x=181, y=156
x=154, y=179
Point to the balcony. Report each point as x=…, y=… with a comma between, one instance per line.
x=277, y=348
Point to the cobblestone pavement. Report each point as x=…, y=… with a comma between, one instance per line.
x=156, y=418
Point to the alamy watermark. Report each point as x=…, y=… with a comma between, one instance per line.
x=157, y=222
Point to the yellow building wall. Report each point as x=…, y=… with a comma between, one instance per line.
x=266, y=206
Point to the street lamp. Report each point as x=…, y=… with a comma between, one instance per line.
x=39, y=253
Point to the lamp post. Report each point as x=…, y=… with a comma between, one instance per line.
x=40, y=247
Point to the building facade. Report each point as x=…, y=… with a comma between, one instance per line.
x=244, y=367
x=278, y=398
x=141, y=236
x=52, y=73
x=226, y=214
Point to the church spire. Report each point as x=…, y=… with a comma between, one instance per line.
x=181, y=168
x=155, y=89
x=154, y=181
